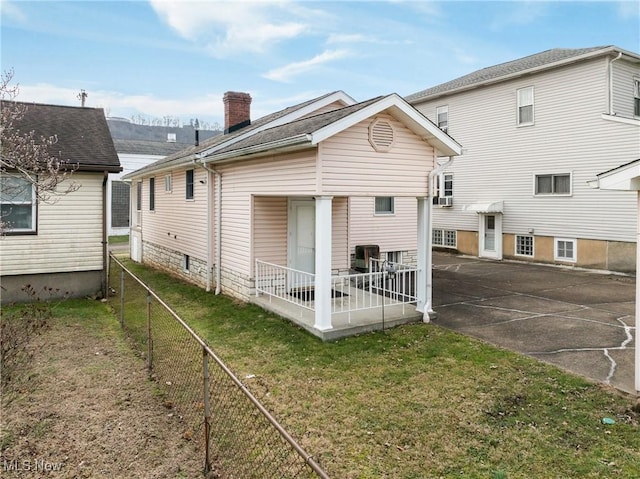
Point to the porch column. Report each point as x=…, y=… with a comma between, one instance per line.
x=424, y=280
x=323, y=263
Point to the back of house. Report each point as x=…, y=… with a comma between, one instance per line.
x=535, y=131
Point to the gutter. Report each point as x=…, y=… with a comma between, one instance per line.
x=428, y=307
x=261, y=148
x=611, y=83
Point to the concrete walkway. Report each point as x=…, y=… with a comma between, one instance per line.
x=578, y=320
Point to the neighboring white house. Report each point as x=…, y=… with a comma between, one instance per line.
x=59, y=248
x=280, y=206
x=534, y=131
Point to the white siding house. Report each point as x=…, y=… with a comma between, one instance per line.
x=59, y=247
x=534, y=131
x=272, y=211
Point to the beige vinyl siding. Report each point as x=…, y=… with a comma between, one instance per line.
x=270, y=176
x=397, y=232
x=69, y=234
x=177, y=223
x=623, y=75
x=340, y=234
x=270, y=229
x=500, y=159
x=350, y=165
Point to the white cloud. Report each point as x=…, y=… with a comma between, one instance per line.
x=519, y=13
x=285, y=73
x=225, y=28
x=10, y=10
x=629, y=9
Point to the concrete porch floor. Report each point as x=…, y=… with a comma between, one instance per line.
x=344, y=324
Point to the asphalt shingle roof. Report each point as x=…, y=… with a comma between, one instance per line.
x=504, y=70
x=296, y=128
x=145, y=147
x=219, y=139
x=83, y=135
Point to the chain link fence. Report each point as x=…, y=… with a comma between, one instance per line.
x=237, y=435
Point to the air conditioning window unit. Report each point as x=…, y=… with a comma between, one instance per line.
x=363, y=253
x=446, y=201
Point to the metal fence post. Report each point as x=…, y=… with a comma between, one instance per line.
x=149, y=339
x=207, y=410
x=122, y=298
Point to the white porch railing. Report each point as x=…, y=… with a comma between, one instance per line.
x=386, y=284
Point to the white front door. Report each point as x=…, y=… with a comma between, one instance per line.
x=490, y=236
x=302, y=235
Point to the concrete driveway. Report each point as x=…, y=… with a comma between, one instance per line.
x=581, y=321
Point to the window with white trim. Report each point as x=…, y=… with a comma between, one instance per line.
x=17, y=204
x=524, y=245
x=525, y=106
x=384, y=205
x=445, y=238
x=565, y=249
x=442, y=117
x=443, y=189
x=636, y=96
x=394, y=256
x=553, y=184
x=167, y=183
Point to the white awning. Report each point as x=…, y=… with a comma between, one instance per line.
x=495, y=207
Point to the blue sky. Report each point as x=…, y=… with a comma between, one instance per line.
x=177, y=58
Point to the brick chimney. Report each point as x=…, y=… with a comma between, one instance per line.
x=237, y=111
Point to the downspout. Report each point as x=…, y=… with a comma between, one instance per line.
x=218, y=186
x=611, y=82
x=105, y=251
x=436, y=171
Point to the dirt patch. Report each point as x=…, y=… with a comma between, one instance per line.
x=85, y=408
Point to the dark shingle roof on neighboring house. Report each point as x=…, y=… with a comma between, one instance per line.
x=142, y=147
x=506, y=70
x=83, y=136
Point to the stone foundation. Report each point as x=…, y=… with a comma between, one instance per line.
x=172, y=262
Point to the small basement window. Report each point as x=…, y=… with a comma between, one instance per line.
x=524, y=245
x=384, y=205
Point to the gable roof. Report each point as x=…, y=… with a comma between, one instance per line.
x=548, y=59
x=309, y=131
x=82, y=133
x=219, y=142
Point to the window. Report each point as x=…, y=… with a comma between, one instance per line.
x=139, y=196
x=524, y=245
x=186, y=263
x=394, y=257
x=384, y=205
x=442, y=117
x=555, y=184
x=18, y=204
x=189, y=193
x=565, y=249
x=446, y=238
x=120, y=192
x=525, y=106
x=167, y=183
x=636, y=96
x=152, y=194
x=444, y=190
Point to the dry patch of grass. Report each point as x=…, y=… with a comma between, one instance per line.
x=84, y=407
x=417, y=401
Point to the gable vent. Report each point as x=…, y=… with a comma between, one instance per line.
x=381, y=135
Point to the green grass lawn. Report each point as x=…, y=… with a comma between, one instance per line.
x=416, y=401
x=118, y=239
